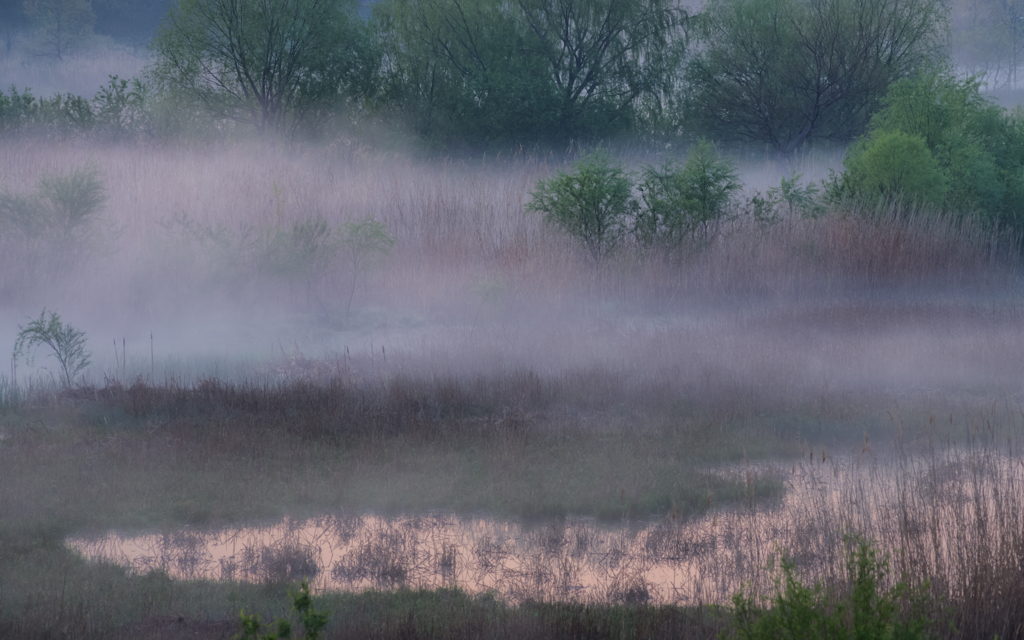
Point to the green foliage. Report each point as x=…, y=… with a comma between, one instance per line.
x=66, y=343
x=593, y=202
x=61, y=208
x=16, y=109
x=891, y=165
x=57, y=116
x=800, y=200
x=300, y=254
x=790, y=198
x=122, y=109
x=868, y=611
x=313, y=621
x=784, y=72
x=498, y=72
x=277, y=65
x=939, y=124
x=685, y=203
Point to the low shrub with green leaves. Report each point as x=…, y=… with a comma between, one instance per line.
x=63, y=206
x=892, y=164
x=679, y=203
x=866, y=610
x=686, y=202
x=313, y=621
x=594, y=202
x=44, y=233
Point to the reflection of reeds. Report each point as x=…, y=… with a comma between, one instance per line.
x=281, y=563
x=952, y=517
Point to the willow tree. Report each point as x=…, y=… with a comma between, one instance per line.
x=275, y=64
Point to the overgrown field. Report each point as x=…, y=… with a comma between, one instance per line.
x=285, y=332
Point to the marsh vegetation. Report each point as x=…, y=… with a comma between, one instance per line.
x=387, y=326
x=699, y=414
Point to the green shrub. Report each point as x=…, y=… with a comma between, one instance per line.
x=44, y=233
x=867, y=610
x=976, y=148
x=63, y=206
x=122, y=108
x=685, y=203
x=800, y=200
x=66, y=343
x=313, y=621
x=593, y=202
x=894, y=164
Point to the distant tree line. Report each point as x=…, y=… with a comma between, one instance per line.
x=498, y=72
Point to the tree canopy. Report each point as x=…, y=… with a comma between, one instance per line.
x=275, y=64
x=786, y=72
x=531, y=69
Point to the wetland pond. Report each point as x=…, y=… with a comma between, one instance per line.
x=702, y=559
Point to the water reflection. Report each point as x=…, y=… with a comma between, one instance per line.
x=924, y=507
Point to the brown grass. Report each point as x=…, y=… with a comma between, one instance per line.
x=488, y=345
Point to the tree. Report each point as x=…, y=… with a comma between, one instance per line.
x=603, y=55
x=526, y=70
x=362, y=240
x=988, y=39
x=976, y=147
x=785, y=72
x=593, y=202
x=460, y=70
x=274, y=64
x=686, y=203
x=12, y=20
x=130, y=21
x=62, y=25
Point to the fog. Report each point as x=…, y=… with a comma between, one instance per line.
x=182, y=269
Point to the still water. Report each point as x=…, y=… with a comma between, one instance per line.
x=925, y=506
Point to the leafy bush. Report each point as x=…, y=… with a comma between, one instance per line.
x=800, y=200
x=313, y=621
x=63, y=206
x=890, y=165
x=679, y=203
x=43, y=233
x=593, y=202
x=58, y=116
x=686, y=203
x=300, y=254
x=939, y=140
x=122, y=108
x=66, y=343
x=867, y=611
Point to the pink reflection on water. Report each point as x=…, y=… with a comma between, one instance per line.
x=917, y=505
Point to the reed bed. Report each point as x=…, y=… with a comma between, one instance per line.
x=168, y=242
x=487, y=369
